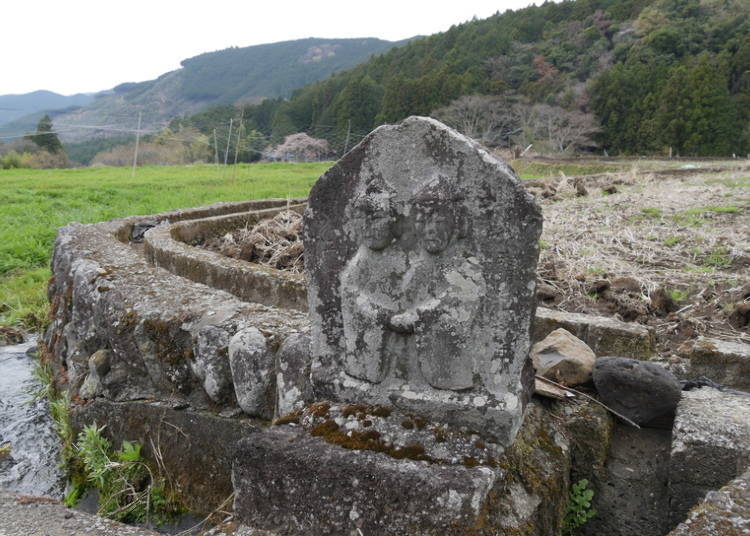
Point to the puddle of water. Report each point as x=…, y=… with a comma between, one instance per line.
x=33, y=465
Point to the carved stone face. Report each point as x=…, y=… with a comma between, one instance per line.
x=434, y=225
x=376, y=227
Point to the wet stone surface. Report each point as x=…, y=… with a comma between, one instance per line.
x=32, y=464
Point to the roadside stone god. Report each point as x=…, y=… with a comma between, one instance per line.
x=421, y=251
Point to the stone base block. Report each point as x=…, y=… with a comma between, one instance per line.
x=725, y=512
x=296, y=485
x=290, y=481
x=724, y=362
x=604, y=335
x=710, y=446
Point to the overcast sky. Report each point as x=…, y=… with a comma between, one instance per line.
x=81, y=46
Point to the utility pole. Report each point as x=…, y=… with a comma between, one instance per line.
x=239, y=135
x=137, y=140
x=229, y=139
x=348, y=133
x=216, y=148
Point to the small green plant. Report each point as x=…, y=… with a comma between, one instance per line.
x=677, y=295
x=543, y=245
x=651, y=212
x=700, y=269
x=578, y=510
x=672, y=241
x=718, y=258
x=128, y=489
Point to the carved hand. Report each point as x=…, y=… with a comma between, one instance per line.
x=403, y=322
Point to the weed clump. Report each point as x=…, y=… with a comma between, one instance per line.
x=128, y=490
x=578, y=510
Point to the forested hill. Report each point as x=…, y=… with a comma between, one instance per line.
x=234, y=75
x=626, y=76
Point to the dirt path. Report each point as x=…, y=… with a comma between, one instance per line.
x=23, y=515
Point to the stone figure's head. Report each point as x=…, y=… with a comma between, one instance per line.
x=376, y=215
x=437, y=215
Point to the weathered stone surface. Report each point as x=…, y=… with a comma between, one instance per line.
x=630, y=489
x=293, y=384
x=604, y=335
x=196, y=448
x=253, y=373
x=639, y=390
x=171, y=247
x=290, y=482
x=724, y=362
x=590, y=428
x=725, y=512
x=710, y=446
x=564, y=358
x=166, y=336
x=420, y=251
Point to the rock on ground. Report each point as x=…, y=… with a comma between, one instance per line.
x=564, y=358
x=639, y=390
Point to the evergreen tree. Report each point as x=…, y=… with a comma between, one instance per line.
x=45, y=137
x=696, y=114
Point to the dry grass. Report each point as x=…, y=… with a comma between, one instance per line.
x=665, y=247
x=275, y=242
x=682, y=239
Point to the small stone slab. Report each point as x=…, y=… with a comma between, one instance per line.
x=710, y=446
x=604, y=335
x=421, y=251
x=725, y=512
x=724, y=362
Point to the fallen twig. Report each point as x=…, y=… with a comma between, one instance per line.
x=623, y=417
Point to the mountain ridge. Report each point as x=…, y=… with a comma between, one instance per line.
x=228, y=76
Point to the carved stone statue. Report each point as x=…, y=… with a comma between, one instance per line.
x=421, y=251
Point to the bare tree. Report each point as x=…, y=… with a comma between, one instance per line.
x=555, y=128
x=491, y=120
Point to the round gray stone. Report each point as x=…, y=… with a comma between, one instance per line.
x=640, y=390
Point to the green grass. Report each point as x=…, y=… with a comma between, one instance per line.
x=36, y=202
x=651, y=212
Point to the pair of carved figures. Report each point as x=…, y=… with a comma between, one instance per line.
x=411, y=292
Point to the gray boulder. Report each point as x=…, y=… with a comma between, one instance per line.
x=253, y=371
x=293, y=385
x=639, y=390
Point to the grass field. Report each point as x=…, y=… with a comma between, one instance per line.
x=36, y=202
